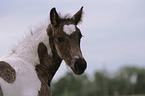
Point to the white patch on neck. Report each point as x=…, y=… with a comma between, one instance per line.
x=27, y=50
x=69, y=29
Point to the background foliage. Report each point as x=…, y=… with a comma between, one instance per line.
x=127, y=81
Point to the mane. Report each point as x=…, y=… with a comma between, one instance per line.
x=36, y=28
x=31, y=32
x=68, y=17
x=26, y=49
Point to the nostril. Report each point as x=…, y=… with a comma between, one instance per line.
x=80, y=65
x=76, y=65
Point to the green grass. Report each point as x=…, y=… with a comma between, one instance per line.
x=131, y=95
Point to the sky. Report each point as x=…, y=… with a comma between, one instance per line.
x=113, y=30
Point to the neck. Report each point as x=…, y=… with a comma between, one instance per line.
x=39, y=51
x=49, y=64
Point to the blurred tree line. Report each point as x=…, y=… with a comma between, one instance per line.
x=127, y=81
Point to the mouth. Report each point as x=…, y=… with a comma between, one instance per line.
x=78, y=72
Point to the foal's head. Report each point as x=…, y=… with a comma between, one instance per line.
x=66, y=37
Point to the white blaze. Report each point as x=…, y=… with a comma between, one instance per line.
x=69, y=29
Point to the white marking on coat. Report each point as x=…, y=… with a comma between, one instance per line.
x=76, y=57
x=23, y=60
x=27, y=82
x=27, y=50
x=69, y=29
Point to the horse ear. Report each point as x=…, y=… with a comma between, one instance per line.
x=54, y=17
x=77, y=17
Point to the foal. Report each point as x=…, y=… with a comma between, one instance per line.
x=29, y=70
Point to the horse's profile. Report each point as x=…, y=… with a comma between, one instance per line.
x=29, y=70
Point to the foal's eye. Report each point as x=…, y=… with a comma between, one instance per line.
x=60, y=39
